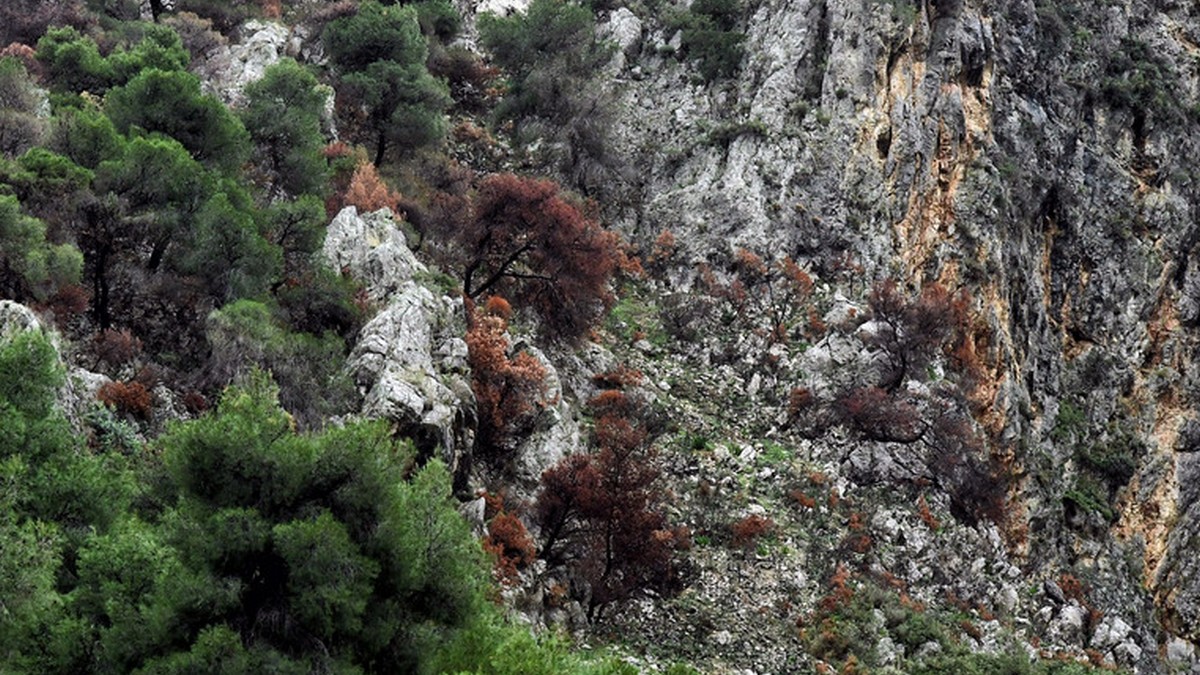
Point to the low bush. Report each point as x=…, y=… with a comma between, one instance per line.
x=127, y=398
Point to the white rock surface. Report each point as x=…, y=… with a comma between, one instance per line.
x=410, y=359
x=372, y=249
x=228, y=70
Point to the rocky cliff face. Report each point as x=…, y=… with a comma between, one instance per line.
x=1039, y=155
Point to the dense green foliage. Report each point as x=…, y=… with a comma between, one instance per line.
x=54, y=496
x=326, y=545
x=170, y=102
x=251, y=549
x=551, y=55
x=283, y=115
x=29, y=266
x=381, y=54
x=153, y=184
x=552, y=38
x=75, y=64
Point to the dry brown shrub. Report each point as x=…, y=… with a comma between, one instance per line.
x=747, y=531
x=115, y=348
x=127, y=398
x=369, y=192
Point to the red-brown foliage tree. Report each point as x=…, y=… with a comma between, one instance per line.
x=910, y=332
x=769, y=298
x=114, y=348
x=601, y=514
x=509, y=389
x=877, y=415
x=526, y=239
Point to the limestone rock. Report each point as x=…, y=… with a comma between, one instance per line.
x=371, y=248
x=1111, y=632
x=231, y=67
x=1180, y=651
x=556, y=433
x=410, y=358
x=624, y=29
x=16, y=318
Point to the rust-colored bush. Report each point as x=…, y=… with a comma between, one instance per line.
x=369, y=193
x=611, y=405
x=802, y=500
x=856, y=522
x=510, y=544
x=66, y=303
x=840, y=592
x=910, y=331
x=747, y=531
x=877, y=415
x=926, y=515
x=801, y=400
x=907, y=602
x=858, y=543
x=509, y=389
x=336, y=150
x=498, y=306
x=195, y=402
x=664, y=248
x=1072, y=587
x=127, y=398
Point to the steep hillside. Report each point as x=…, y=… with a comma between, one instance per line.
x=1037, y=158
x=853, y=336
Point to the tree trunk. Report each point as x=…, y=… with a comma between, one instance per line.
x=380, y=147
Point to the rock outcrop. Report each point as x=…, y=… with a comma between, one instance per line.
x=410, y=361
